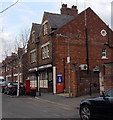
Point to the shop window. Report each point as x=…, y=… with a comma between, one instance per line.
x=33, y=81
x=43, y=80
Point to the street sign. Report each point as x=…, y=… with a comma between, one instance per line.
x=68, y=59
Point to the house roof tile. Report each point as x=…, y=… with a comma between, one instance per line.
x=57, y=20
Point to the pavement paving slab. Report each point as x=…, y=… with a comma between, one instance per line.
x=64, y=98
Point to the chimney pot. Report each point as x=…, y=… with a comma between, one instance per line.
x=74, y=7
x=69, y=11
x=64, y=5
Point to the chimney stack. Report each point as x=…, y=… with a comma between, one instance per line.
x=73, y=11
x=64, y=5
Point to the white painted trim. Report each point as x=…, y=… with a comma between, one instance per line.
x=104, y=57
x=101, y=81
x=15, y=75
x=33, y=69
x=54, y=80
x=45, y=66
x=34, y=50
x=45, y=22
x=8, y=76
x=45, y=44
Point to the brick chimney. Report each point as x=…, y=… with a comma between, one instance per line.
x=73, y=11
x=20, y=51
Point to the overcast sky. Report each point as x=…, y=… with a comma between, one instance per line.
x=24, y=13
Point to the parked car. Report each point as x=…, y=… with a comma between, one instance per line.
x=11, y=88
x=3, y=86
x=99, y=107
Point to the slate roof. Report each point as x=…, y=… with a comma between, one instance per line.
x=57, y=20
x=36, y=28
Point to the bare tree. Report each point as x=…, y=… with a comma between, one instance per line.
x=21, y=46
x=22, y=40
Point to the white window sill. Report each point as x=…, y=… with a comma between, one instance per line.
x=104, y=58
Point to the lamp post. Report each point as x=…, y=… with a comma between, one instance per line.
x=68, y=61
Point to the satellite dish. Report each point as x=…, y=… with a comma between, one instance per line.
x=103, y=33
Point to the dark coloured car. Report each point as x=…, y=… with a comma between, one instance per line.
x=3, y=86
x=98, y=108
x=11, y=88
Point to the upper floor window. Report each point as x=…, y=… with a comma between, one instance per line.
x=33, y=36
x=104, y=54
x=33, y=56
x=45, y=50
x=45, y=27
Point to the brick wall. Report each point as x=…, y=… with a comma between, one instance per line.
x=10, y=68
x=108, y=76
x=75, y=30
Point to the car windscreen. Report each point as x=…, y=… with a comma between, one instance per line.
x=15, y=84
x=109, y=93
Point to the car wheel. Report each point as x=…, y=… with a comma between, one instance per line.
x=5, y=92
x=85, y=113
x=8, y=93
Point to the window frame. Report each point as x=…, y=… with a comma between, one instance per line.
x=45, y=27
x=33, y=56
x=45, y=51
x=33, y=37
x=104, y=53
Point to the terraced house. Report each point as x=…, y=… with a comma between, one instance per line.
x=68, y=52
x=43, y=47
x=13, y=68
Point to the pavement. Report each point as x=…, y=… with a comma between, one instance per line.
x=63, y=99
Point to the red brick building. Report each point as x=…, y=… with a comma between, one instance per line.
x=42, y=66
x=14, y=67
x=32, y=51
x=9, y=66
x=69, y=51
x=89, y=46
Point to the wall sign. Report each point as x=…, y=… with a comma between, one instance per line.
x=59, y=78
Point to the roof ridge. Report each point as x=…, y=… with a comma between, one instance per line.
x=58, y=14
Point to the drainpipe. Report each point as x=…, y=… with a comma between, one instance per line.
x=87, y=51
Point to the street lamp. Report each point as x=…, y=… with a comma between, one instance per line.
x=68, y=61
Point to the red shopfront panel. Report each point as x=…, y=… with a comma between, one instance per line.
x=27, y=85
